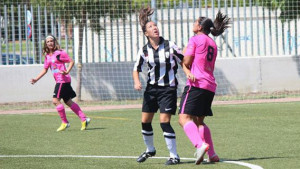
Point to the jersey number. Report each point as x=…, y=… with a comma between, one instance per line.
x=210, y=53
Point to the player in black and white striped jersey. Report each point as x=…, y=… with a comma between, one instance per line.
x=162, y=58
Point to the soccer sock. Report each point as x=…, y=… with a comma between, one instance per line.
x=76, y=109
x=191, y=130
x=147, y=132
x=170, y=139
x=208, y=140
x=62, y=113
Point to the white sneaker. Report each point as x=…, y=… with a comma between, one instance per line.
x=200, y=153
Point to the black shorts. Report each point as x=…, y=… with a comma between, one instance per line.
x=64, y=91
x=164, y=98
x=196, y=101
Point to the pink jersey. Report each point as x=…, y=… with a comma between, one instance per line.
x=204, y=51
x=56, y=62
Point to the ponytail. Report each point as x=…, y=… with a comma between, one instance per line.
x=217, y=27
x=220, y=24
x=145, y=13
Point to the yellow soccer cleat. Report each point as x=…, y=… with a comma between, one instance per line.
x=63, y=126
x=85, y=123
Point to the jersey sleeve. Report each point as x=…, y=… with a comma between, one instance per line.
x=177, y=52
x=140, y=60
x=64, y=57
x=190, y=49
x=46, y=63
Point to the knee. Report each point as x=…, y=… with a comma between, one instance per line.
x=147, y=127
x=182, y=120
x=55, y=103
x=166, y=127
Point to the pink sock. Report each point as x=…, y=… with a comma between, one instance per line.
x=201, y=133
x=62, y=113
x=76, y=109
x=191, y=130
x=208, y=140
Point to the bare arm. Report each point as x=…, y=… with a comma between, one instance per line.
x=42, y=73
x=136, y=79
x=71, y=64
x=187, y=62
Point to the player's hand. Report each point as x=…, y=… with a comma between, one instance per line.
x=137, y=86
x=33, y=81
x=191, y=77
x=63, y=72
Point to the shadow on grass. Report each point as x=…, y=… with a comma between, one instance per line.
x=252, y=158
x=221, y=160
x=193, y=162
x=95, y=128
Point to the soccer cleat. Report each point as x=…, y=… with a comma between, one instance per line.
x=200, y=153
x=143, y=157
x=85, y=123
x=172, y=161
x=63, y=126
x=213, y=159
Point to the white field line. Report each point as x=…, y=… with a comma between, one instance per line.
x=252, y=166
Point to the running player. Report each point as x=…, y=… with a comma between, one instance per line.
x=199, y=62
x=162, y=58
x=55, y=59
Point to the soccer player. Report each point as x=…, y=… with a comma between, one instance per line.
x=162, y=58
x=199, y=62
x=55, y=59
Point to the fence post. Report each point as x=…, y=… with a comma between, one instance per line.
x=13, y=34
x=40, y=34
x=153, y=6
x=6, y=34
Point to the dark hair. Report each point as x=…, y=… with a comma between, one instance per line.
x=56, y=45
x=217, y=27
x=145, y=13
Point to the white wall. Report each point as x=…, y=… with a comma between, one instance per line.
x=234, y=76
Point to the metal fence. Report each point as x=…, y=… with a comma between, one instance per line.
x=255, y=30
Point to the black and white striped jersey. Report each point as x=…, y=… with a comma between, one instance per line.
x=162, y=63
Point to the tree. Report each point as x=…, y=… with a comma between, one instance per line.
x=82, y=11
x=289, y=9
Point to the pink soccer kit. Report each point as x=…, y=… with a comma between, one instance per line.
x=56, y=62
x=204, y=51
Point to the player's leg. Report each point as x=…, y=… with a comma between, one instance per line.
x=147, y=132
x=191, y=129
x=188, y=120
x=212, y=156
x=60, y=107
x=170, y=138
x=62, y=113
x=167, y=100
x=205, y=133
x=76, y=109
x=205, y=102
x=149, y=108
x=187, y=115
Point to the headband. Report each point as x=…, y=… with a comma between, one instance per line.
x=50, y=36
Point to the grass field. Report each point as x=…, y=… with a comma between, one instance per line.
x=267, y=135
